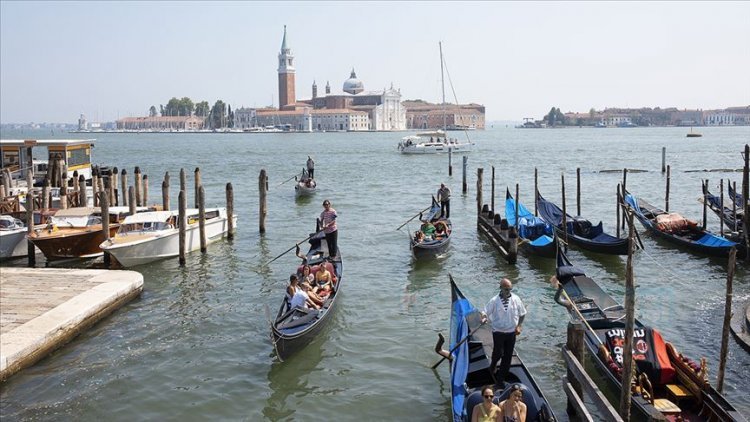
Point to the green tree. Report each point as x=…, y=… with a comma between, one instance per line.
x=218, y=114
x=230, y=113
x=185, y=107
x=172, y=108
x=202, y=108
x=152, y=111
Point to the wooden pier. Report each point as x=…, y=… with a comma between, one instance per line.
x=42, y=309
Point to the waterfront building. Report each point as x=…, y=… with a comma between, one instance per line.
x=83, y=123
x=160, y=123
x=728, y=117
x=423, y=115
x=244, y=118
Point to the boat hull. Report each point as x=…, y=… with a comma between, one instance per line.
x=71, y=243
x=301, y=190
x=12, y=243
x=435, y=149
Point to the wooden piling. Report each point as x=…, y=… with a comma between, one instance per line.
x=745, y=193
x=202, y=218
x=721, y=201
x=138, y=186
x=627, y=366
x=663, y=159
x=198, y=184
x=83, y=200
x=727, y=319
x=104, y=204
x=230, y=211
x=480, y=185
x=131, y=200
x=165, y=192
x=183, y=180
x=145, y=190
x=450, y=161
x=124, y=187
x=493, y=189
x=113, y=199
x=518, y=202
x=619, y=205
x=624, y=189
x=666, y=196
x=578, y=191
x=64, y=191
x=734, y=206
x=262, y=188
x=30, y=217
x=45, y=193
x=704, y=189
x=565, y=212
x=182, y=216
x=536, y=191
x=465, y=186
x=95, y=188
x=575, y=344
x=3, y=191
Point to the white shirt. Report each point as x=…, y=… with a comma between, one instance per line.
x=299, y=300
x=504, y=316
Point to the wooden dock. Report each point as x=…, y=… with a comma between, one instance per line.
x=42, y=309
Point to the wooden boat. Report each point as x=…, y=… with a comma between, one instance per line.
x=677, y=229
x=292, y=329
x=537, y=236
x=580, y=231
x=305, y=187
x=423, y=246
x=470, y=366
x=731, y=220
x=76, y=232
x=736, y=196
x=668, y=384
x=692, y=134
x=150, y=236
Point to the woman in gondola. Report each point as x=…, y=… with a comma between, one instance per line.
x=486, y=411
x=513, y=409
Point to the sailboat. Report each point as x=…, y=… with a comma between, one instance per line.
x=692, y=134
x=437, y=141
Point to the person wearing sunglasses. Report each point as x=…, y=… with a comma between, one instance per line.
x=486, y=411
x=506, y=312
x=513, y=409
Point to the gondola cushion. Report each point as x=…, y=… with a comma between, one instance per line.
x=649, y=353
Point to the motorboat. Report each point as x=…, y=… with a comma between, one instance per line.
x=12, y=236
x=154, y=235
x=431, y=143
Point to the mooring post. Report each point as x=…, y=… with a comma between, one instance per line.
x=183, y=180
x=536, y=191
x=138, y=186
x=30, y=217
x=578, y=191
x=124, y=187
x=182, y=217
x=666, y=196
x=202, y=217
x=627, y=367
x=101, y=183
x=745, y=193
x=464, y=185
x=624, y=189
x=230, y=211
x=518, y=201
x=565, y=212
x=663, y=159
x=145, y=190
x=45, y=193
x=198, y=184
x=131, y=200
x=704, y=189
x=3, y=192
x=64, y=192
x=734, y=205
x=95, y=187
x=721, y=201
x=83, y=199
x=727, y=320
x=480, y=183
x=165, y=192
x=262, y=188
x=113, y=199
x=493, y=190
x=575, y=345
x=619, y=205
x=76, y=190
x=104, y=204
x=450, y=161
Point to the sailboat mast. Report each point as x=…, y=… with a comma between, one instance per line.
x=442, y=80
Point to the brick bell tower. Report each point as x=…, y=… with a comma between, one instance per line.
x=286, y=75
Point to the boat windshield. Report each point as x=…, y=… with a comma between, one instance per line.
x=146, y=226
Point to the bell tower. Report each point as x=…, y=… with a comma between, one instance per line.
x=286, y=75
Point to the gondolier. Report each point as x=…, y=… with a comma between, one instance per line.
x=310, y=167
x=505, y=312
x=444, y=197
x=328, y=219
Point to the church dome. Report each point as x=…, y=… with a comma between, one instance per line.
x=353, y=85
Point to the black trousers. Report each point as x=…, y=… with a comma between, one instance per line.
x=332, y=241
x=445, y=208
x=311, y=172
x=502, y=347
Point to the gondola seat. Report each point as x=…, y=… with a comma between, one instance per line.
x=532, y=407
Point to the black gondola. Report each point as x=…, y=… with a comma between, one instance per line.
x=580, y=231
x=424, y=245
x=731, y=220
x=537, y=236
x=677, y=229
x=294, y=328
x=471, y=361
x=668, y=385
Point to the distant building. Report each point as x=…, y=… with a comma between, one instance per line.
x=83, y=123
x=423, y=115
x=161, y=123
x=728, y=117
x=245, y=118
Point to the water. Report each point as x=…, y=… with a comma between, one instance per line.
x=195, y=345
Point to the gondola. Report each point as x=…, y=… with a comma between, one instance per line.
x=537, y=236
x=731, y=220
x=470, y=366
x=580, y=231
x=424, y=246
x=737, y=196
x=677, y=229
x=305, y=185
x=292, y=329
x=668, y=384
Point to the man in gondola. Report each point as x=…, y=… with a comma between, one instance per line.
x=506, y=312
x=310, y=167
x=444, y=197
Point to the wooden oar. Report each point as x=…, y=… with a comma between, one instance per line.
x=459, y=344
x=407, y=221
x=295, y=245
x=287, y=180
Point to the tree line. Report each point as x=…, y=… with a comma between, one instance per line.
x=218, y=116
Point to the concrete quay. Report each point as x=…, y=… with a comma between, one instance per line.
x=41, y=309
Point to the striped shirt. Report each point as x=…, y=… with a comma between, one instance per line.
x=329, y=216
x=504, y=313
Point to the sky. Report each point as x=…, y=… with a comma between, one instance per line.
x=109, y=60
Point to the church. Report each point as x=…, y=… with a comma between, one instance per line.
x=352, y=109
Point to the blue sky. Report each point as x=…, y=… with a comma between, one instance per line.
x=114, y=59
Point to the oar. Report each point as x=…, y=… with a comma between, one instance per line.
x=295, y=245
x=407, y=221
x=459, y=344
x=287, y=180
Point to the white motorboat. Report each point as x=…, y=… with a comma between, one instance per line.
x=154, y=235
x=12, y=237
x=431, y=143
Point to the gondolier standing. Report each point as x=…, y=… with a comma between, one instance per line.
x=505, y=312
x=310, y=167
x=328, y=219
x=444, y=197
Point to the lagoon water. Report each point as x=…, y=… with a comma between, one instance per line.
x=196, y=345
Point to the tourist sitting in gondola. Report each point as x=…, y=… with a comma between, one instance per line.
x=306, y=274
x=486, y=411
x=513, y=409
x=441, y=230
x=428, y=229
x=323, y=280
x=418, y=236
x=293, y=287
x=302, y=298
